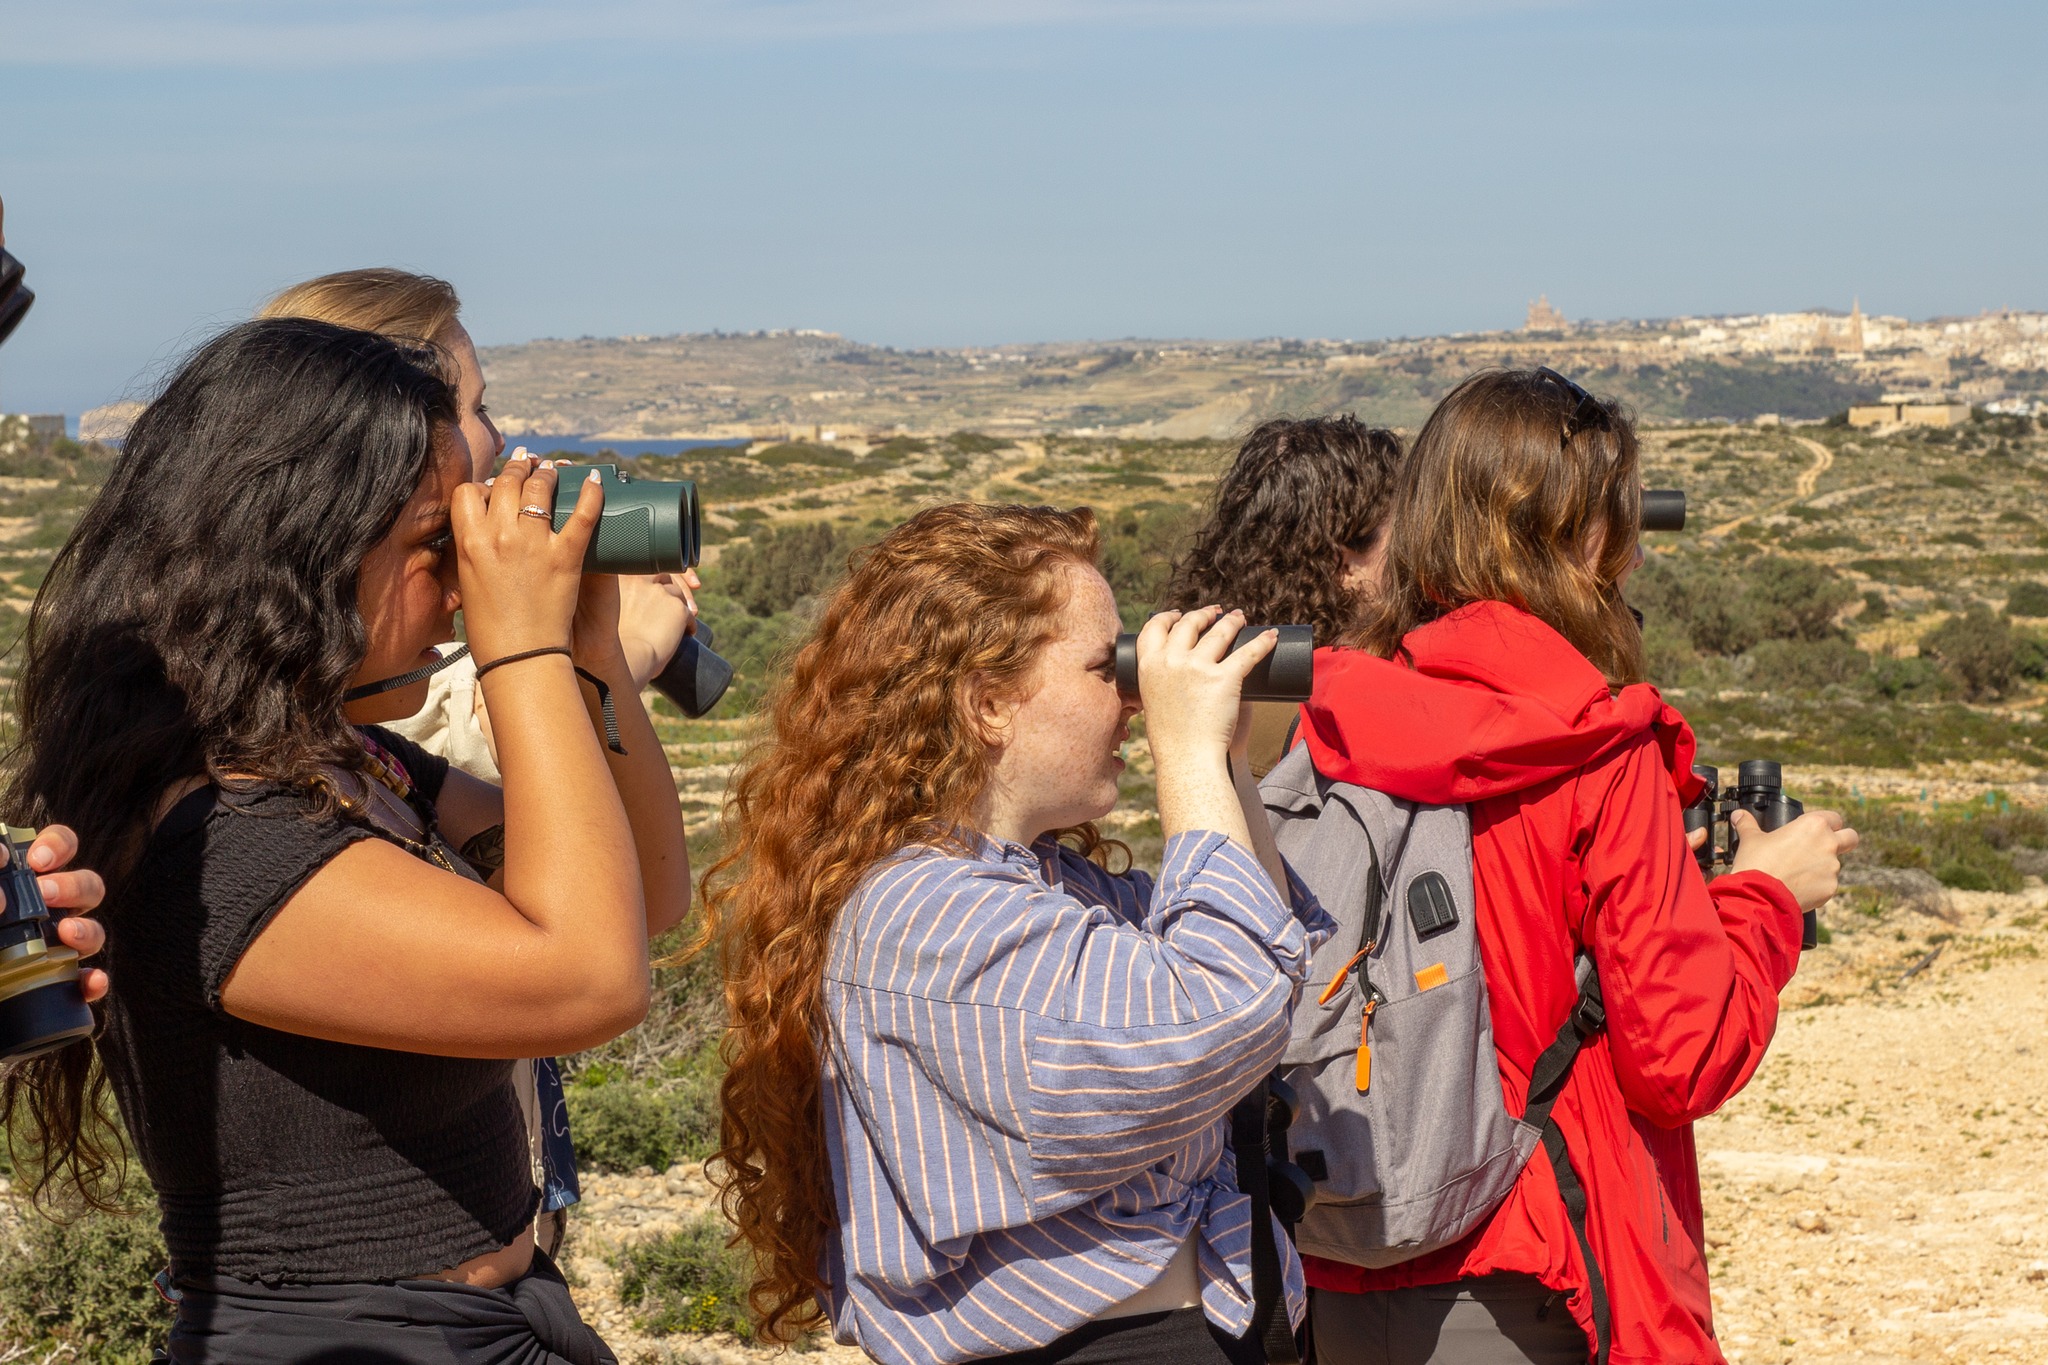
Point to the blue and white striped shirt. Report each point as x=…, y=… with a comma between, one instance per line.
x=1028, y=1082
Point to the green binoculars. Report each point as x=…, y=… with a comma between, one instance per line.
x=648, y=525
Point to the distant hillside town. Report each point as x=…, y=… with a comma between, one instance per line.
x=1869, y=369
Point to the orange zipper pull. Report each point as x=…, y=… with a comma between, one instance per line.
x=1343, y=974
x=1365, y=1046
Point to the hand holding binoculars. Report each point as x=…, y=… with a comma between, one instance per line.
x=653, y=526
x=42, y=1006
x=1759, y=789
x=1287, y=674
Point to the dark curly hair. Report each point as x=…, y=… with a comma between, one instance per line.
x=1299, y=494
x=201, y=620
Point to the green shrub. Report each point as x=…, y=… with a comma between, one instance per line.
x=1668, y=655
x=620, y=1126
x=1807, y=665
x=1727, y=609
x=800, y=452
x=85, y=1286
x=1794, y=599
x=781, y=566
x=1137, y=553
x=1978, y=649
x=2028, y=598
x=688, y=1281
x=1967, y=847
x=1905, y=679
x=1875, y=608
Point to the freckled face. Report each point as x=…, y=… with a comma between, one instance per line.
x=406, y=591
x=1059, y=763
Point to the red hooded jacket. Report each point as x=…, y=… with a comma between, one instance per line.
x=1578, y=839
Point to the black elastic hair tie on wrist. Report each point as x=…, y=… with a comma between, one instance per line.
x=604, y=689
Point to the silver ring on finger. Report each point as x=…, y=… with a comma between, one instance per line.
x=534, y=509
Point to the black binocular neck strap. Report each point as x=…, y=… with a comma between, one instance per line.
x=424, y=671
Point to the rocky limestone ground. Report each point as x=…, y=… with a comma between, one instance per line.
x=1875, y=1195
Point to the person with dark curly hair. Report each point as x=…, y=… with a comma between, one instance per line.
x=1294, y=533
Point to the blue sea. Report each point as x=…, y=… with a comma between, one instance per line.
x=585, y=448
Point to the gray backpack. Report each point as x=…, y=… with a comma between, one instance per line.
x=1400, y=1121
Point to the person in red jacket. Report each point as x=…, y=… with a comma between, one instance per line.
x=1502, y=668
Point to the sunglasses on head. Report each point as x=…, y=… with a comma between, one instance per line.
x=1587, y=411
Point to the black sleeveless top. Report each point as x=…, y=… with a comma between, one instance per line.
x=276, y=1157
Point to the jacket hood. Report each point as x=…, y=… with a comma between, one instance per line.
x=1495, y=702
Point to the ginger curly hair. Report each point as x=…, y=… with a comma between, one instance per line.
x=870, y=746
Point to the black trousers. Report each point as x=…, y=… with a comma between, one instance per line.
x=1181, y=1337
x=1492, y=1320
x=414, y=1322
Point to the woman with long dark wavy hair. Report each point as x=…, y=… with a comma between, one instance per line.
x=1295, y=532
x=977, y=1086
x=1500, y=667
x=312, y=986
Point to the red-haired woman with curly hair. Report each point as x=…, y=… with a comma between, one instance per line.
x=977, y=1088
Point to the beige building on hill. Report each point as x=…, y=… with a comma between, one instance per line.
x=1910, y=414
x=1543, y=318
x=1845, y=339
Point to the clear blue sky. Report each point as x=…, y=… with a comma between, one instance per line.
x=938, y=172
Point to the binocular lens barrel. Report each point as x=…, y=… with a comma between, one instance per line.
x=41, y=1005
x=1663, y=509
x=694, y=678
x=1287, y=674
x=15, y=297
x=648, y=525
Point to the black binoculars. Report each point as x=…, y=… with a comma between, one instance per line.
x=41, y=1005
x=1663, y=509
x=15, y=297
x=653, y=526
x=1759, y=789
x=694, y=678
x=1287, y=674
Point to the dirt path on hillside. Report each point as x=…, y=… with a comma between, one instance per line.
x=1803, y=487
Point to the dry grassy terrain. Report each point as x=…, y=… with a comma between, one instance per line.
x=1872, y=1195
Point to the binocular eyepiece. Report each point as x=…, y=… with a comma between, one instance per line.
x=1759, y=789
x=15, y=297
x=694, y=678
x=41, y=1005
x=1287, y=674
x=1663, y=509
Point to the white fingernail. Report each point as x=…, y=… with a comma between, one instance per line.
x=488, y=482
x=593, y=478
